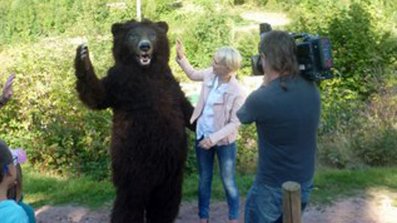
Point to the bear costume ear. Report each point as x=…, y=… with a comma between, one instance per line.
x=116, y=28
x=163, y=26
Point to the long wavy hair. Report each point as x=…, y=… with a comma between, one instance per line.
x=280, y=51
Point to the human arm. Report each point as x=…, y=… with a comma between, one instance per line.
x=233, y=123
x=247, y=113
x=183, y=62
x=7, y=90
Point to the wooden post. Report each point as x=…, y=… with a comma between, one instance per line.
x=138, y=10
x=291, y=202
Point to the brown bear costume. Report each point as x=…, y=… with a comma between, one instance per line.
x=150, y=112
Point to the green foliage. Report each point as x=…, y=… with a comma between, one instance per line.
x=30, y=20
x=157, y=10
x=375, y=142
x=363, y=48
x=334, y=151
x=46, y=117
x=247, y=150
x=38, y=41
x=209, y=33
x=358, y=35
x=376, y=148
x=241, y=41
x=368, y=139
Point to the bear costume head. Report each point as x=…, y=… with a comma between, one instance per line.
x=140, y=43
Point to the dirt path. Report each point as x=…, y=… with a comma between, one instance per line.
x=375, y=207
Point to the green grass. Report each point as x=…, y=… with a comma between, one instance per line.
x=44, y=189
x=330, y=184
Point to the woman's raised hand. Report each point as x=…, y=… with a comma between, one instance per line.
x=180, y=52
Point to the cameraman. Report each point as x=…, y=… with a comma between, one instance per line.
x=286, y=111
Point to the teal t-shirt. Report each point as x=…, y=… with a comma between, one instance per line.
x=11, y=212
x=29, y=211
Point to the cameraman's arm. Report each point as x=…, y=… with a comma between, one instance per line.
x=247, y=113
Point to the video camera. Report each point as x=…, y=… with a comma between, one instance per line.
x=314, y=55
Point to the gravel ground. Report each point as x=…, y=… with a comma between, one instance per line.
x=375, y=207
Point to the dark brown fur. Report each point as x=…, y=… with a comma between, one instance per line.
x=150, y=112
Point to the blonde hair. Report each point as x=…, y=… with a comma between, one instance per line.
x=229, y=57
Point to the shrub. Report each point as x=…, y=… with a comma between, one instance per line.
x=247, y=153
x=30, y=20
x=334, y=150
x=375, y=142
x=208, y=34
x=46, y=117
x=370, y=138
x=376, y=147
x=247, y=44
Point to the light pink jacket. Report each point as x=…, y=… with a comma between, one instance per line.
x=226, y=122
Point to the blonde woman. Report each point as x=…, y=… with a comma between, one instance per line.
x=217, y=124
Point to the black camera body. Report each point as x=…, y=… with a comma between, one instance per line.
x=314, y=54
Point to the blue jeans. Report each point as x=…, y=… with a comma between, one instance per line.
x=227, y=163
x=264, y=203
